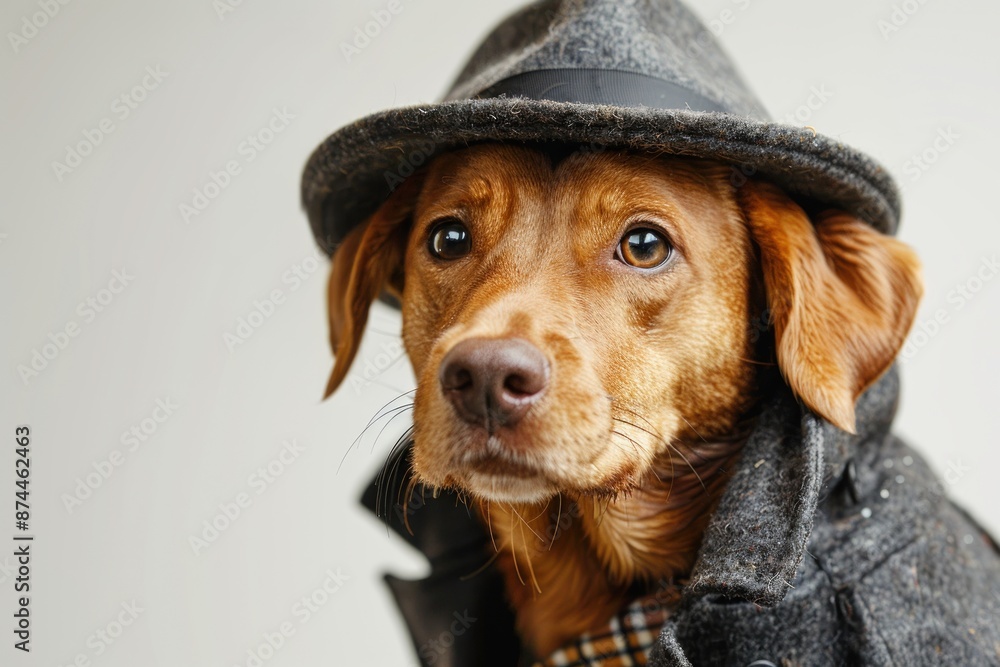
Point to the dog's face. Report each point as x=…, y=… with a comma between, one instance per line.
x=569, y=322
x=611, y=293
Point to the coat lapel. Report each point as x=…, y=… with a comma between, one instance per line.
x=758, y=534
x=458, y=615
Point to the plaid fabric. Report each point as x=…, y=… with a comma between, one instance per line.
x=625, y=642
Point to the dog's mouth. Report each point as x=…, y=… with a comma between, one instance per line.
x=507, y=488
x=489, y=464
x=498, y=476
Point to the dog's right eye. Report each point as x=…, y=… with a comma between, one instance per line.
x=644, y=248
x=449, y=239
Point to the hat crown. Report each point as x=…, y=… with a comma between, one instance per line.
x=661, y=39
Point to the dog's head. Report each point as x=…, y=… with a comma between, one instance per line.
x=569, y=319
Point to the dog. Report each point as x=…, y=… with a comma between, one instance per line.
x=594, y=330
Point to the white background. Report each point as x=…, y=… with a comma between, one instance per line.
x=162, y=336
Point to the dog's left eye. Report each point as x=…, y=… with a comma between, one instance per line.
x=644, y=248
x=449, y=239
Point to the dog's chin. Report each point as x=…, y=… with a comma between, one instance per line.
x=492, y=472
x=498, y=487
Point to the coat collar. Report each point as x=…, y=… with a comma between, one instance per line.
x=757, y=536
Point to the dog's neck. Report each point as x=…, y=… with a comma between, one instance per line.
x=571, y=564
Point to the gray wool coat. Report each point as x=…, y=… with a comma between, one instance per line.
x=826, y=549
x=833, y=549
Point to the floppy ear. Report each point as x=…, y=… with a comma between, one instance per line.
x=368, y=261
x=842, y=297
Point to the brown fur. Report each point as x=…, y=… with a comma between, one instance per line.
x=653, y=374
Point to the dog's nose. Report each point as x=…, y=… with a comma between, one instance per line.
x=493, y=381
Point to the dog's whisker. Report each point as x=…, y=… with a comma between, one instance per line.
x=374, y=420
x=691, y=426
x=670, y=489
x=387, y=412
x=618, y=404
x=635, y=445
x=657, y=476
x=680, y=454
x=489, y=525
x=409, y=492
x=383, y=472
x=513, y=550
x=673, y=448
x=399, y=411
x=555, y=528
x=537, y=536
x=652, y=430
x=544, y=509
x=379, y=478
x=382, y=495
x=387, y=472
x=392, y=473
x=604, y=512
x=460, y=497
x=637, y=427
x=757, y=362
x=527, y=557
x=664, y=441
x=492, y=559
x=376, y=417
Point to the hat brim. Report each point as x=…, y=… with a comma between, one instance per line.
x=355, y=169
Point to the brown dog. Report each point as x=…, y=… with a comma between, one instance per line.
x=582, y=332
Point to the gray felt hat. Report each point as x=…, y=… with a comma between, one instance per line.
x=642, y=75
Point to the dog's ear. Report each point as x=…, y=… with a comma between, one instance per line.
x=841, y=296
x=368, y=261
